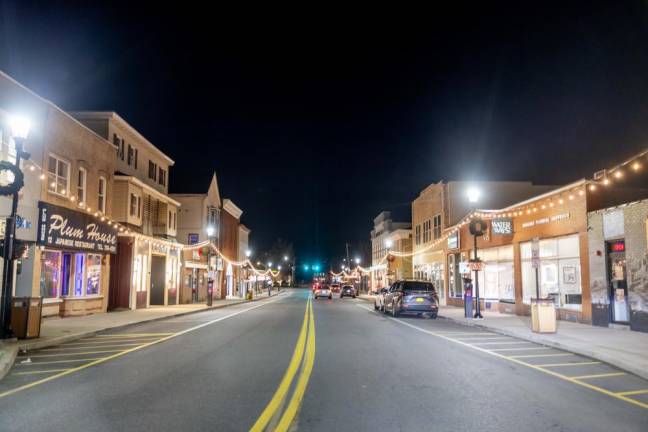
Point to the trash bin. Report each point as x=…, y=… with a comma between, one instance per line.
x=543, y=315
x=26, y=317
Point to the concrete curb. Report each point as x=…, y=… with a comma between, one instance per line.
x=540, y=339
x=7, y=358
x=10, y=351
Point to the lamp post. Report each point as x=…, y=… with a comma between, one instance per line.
x=19, y=132
x=477, y=230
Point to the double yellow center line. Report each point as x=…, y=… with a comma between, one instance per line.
x=302, y=361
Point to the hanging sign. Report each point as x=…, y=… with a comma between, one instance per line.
x=502, y=226
x=64, y=228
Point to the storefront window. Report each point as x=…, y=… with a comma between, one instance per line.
x=93, y=274
x=139, y=273
x=558, y=274
x=79, y=267
x=497, y=277
x=455, y=282
x=50, y=279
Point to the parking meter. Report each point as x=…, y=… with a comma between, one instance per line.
x=468, y=299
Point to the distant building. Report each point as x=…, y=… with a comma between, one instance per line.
x=205, y=217
x=386, y=236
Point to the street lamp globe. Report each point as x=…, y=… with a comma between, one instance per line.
x=210, y=230
x=473, y=194
x=248, y=253
x=19, y=127
x=389, y=243
x=278, y=267
x=269, y=263
x=357, y=260
x=285, y=257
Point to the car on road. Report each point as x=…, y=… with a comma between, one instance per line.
x=412, y=297
x=323, y=291
x=379, y=299
x=348, y=291
x=335, y=288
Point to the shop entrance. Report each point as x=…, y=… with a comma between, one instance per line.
x=618, y=283
x=158, y=273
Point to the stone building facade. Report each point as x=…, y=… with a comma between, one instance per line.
x=618, y=255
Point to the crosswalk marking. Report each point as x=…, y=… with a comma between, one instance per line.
x=68, y=354
x=598, y=375
x=570, y=364
x=65, y=347
x=39, y=372
x=540, y=355
x=500, y=343
x=519, y=349
x=633, y=392
x=57, y=361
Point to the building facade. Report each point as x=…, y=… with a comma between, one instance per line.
x=442, y=205
x=69, y=184
x=245, y=279
x=229, y=245
x=199, y=221
x=146, y=271
x=618, y=256
x=386, y=236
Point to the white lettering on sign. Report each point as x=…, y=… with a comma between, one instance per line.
x=544, y=220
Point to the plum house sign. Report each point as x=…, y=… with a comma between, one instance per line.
x=64, y=228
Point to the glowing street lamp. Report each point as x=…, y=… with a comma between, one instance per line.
x=19, y=132
x=285, y=257
x=248, y=253
x=473, y=194
x=357, y=260
x=210, y=231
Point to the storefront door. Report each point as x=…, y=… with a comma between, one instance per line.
x=158, y=273
x=618, y=282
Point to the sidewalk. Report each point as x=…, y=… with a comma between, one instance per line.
x=625, y=349
x=55, y=331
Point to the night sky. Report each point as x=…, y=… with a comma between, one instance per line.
x=317, y=120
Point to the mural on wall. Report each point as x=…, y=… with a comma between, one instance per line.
x=638, y=283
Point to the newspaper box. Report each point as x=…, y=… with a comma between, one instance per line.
x=543, y=316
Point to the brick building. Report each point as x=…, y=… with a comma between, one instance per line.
x=442, y=205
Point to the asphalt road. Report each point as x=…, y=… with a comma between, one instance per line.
x=220, y=370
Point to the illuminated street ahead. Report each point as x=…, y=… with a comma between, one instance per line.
x=220, y=370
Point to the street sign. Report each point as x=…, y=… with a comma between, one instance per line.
x=535, y=253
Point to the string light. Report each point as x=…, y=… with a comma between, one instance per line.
x=618, y=174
